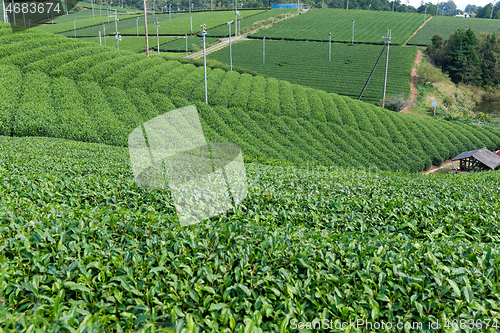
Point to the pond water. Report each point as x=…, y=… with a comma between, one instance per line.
x=491, y=108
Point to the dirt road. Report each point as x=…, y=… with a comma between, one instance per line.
x=413, y=83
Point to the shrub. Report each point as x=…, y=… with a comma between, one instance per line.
x=10, y=80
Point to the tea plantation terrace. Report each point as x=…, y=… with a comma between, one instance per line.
x=82, y=248
x=66, y=84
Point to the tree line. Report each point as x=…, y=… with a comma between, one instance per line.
x=442, y=8
x=468, y=58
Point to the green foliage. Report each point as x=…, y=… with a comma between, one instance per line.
x=10, y=79
x=117, y=251
x=446, y=26
x=252, y=22
x=109, y=129
x=122, y=76
x=145, y=79
x=427, y=73
x=80, y=23
x=102, y=70
x=71, y=119
x=370, y=26
x=35, y=112
x=101, y=97
x=180, y=23
x=179, y=44
x=346, y=74
x=462, y=60
x=129, y=43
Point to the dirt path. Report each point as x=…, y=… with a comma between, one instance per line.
x=415, y=32
x=436, y=168
x=413, y=83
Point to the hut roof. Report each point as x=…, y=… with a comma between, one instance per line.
x=488, y=158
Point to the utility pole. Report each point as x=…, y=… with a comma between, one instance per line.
x=186, y=45
x=74, y=26
x=230, y=50
x=330, y=48
x=92, y=2
x=117, y=36
x=5, y=17
x=347, y=7
x=425, y=14
x=388, y=39
x=204, y=33
x=492, y=7
x=235, y=19
x=137, y=25
x=157, y=36
x=109, y=10
x=104, y=28
x=353, y=32
x=264, y=50
x=191, y=25
x=100, y=41
x=146, y=28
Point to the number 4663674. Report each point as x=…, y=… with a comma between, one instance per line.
x=32, y=7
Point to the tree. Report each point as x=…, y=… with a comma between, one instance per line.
x=462, y=60
x=485, y=12
x=449, y=7
x=488, y=53
x=431, y=8
x=436, y=51
x=396, y=102
x=471, y=9
x=429, y=74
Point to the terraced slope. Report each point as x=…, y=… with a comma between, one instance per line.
x=446, y=25
x=62, y=93
x=82, y=247
x=307, y=63
x=369, y=26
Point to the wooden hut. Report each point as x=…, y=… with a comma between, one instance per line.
x=477, y=160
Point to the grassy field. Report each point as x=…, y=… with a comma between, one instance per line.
x=194, y=44
x=84, y=248
x=446, y=25
x=370, y=26
x=80, y=24
x=252, y=22
x=86, y=4
x=307, y=63
x=131, y=43
x=180, y=24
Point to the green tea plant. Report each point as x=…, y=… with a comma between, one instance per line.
x=84, y=248
x=446, y=25
x=101, y=96
x=369, y=26
x=307, y=64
